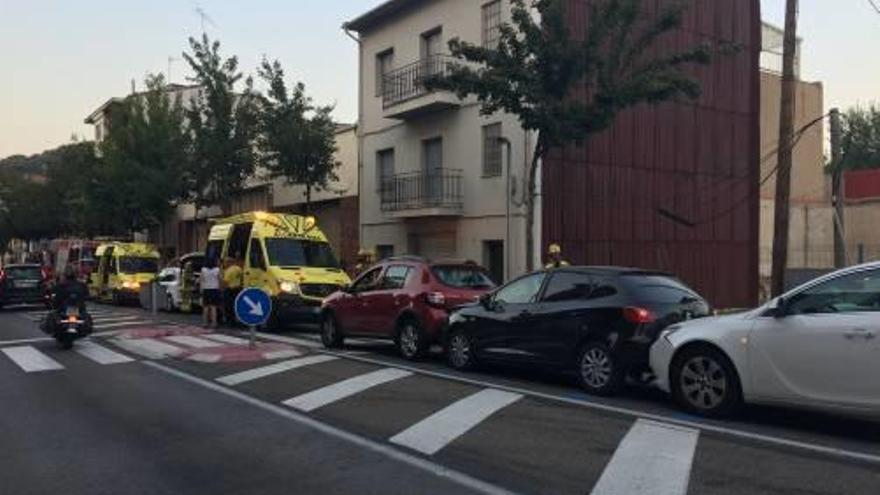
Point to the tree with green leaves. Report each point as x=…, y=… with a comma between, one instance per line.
x=538, y=65
x=71, y=174
x=28, y=210
x=143, y=156
x=297, y=138
x=860, y=141
x=223, y=126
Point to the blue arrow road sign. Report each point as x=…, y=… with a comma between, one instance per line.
x=253, y=307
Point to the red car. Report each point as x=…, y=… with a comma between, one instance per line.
x=407, y=299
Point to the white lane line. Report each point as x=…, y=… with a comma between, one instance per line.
x=346, y=388
x=226, y=339
x=438, y=430
x=123, y=324
x=190, y=341
x=31, y=360
x=149, y=348
x=112, y=319
x=26, y=341
x=101, y=355
x=652, y=459
x=272, y=369
x=443, y=472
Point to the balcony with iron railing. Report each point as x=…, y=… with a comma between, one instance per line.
x=405, y=95
x=422, y=194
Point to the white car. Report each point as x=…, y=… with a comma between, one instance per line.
x=169, y=279
x=817, y=346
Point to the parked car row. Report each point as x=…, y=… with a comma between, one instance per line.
x=816, y=346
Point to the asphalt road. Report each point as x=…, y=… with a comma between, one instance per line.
x=106, y=418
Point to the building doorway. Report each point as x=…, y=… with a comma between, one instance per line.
x=493, y=260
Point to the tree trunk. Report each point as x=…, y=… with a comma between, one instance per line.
x=530, y=196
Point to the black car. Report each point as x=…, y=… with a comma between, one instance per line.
x=598, y=322
x=22, y=284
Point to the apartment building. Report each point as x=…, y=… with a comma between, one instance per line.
x=434, y=172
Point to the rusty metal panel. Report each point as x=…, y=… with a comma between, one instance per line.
x=697, y=160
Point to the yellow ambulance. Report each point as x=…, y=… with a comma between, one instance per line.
x=286, y=255
x=123, y=267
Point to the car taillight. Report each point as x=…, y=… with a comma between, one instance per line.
x=436, y=299
x=638, y=315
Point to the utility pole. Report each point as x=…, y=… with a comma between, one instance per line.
x=784, y=156
x=837, y=190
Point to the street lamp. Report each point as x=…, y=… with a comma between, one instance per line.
x=506, y=142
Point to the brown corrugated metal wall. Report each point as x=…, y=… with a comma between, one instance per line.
x=698, y=160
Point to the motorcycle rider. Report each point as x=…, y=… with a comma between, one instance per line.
x=70, y=290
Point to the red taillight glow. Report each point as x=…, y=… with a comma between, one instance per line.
x=638, y=315
x=436, y=299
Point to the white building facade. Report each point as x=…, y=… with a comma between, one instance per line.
x=433, y=170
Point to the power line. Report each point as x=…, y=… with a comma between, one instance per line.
x=796, y=137
x=875, y=6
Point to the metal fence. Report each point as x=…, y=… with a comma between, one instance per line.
x=408, y=82
x=417, y=190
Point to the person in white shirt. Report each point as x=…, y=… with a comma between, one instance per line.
x=210, y=283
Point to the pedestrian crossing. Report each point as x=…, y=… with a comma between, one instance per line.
x=102, y=319
x=650, y=458
x=39, y=357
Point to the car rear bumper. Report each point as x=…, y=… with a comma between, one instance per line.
x=435, y=323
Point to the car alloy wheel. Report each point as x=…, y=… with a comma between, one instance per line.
x=410, y=341
x=597, y=369
x=460, y=351
x=703, y=383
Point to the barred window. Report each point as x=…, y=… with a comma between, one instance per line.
x=492, y=150
x=491, y=23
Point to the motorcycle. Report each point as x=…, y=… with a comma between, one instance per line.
x=67, y=324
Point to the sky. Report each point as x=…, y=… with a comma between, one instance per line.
x=61, y=59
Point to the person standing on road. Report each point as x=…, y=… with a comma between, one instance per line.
x=210, y=284
x=232, y=284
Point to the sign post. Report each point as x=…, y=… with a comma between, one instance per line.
x=252, y=308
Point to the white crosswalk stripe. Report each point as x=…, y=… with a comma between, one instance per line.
x=346, y=388
x=121, y=324
x=190, y=341
x=226, y=339
x=441, y=428
x=99, y=354
x=31, y=360
x=113, y=319
x=652, y=459
x=273, y=369
x=149, y=348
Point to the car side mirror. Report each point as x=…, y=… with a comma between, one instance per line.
x=486, y=301
x=779, y=308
